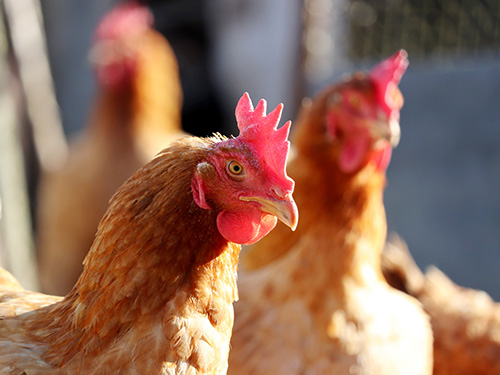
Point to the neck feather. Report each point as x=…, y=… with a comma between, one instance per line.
x=346, y=215
x=153, y=241
x=112, y=113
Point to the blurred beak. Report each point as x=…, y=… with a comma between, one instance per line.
x=284, y=209
x=388, y=130
x=394, y=132
x=102, y=53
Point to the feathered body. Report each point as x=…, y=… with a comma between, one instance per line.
x=136, y=113
x=158, y=285
x=465, y=322
x=315, y=301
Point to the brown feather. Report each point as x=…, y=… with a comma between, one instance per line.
x=156, y=293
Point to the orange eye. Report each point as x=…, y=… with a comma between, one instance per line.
x=235, y=169
x=355, y=102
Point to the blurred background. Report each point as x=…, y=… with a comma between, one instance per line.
x=443, y=194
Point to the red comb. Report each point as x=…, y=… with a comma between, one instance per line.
x=128, y=17
x=260, y=130
x=387, y=75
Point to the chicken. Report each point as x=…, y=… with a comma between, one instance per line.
x=136, y=113
x=156, y=293
x=315, y=301
x=465, y=322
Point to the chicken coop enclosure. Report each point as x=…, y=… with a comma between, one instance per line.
x=443, y=183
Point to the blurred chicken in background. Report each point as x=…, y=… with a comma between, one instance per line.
x=315, y=301
x=465, y=322
x=136, y=113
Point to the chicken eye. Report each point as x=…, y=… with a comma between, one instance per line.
x=355, y=102
x=235, y=168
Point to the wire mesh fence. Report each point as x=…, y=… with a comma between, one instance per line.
x=423, y=27
x=339, y=33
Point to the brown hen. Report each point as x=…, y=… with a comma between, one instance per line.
x=136, y=113
x=156, y=293
x=315, y=301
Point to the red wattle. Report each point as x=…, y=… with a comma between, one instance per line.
x=353, y=153
x=245, y=227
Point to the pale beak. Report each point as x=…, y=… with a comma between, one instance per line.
x=388, y=130
x=284, y=209
x=395, y=132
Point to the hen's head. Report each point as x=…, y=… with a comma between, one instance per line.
x=244, y=178
x=116, y=40
x=362, y=114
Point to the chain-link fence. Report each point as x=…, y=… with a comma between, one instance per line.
x=425, y=28
x=339, y=33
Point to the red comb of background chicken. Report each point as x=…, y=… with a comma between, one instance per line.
x=113, y=52
x=129, y=17
x=260, y=131
x=386, y=77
